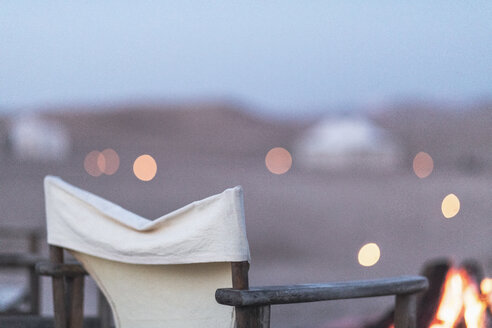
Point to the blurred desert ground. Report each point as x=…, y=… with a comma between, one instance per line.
x=303, y=226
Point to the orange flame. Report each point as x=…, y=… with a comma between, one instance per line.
x=461, y=298
x=451, y=303
x=474, y=307
x=463, y=303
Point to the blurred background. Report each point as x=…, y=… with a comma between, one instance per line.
x=360, y=132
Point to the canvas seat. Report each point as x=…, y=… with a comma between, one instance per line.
x=160, y=295
x=175, y=270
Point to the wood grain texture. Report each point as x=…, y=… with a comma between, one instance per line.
x=270, y=295
x=77, y=303
x=240, y=280
x=56, y=256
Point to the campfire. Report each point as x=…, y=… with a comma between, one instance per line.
x=461, y=300
x=458, y=297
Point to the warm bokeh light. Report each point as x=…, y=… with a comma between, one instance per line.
x=97, y=163
x=486, y=286
x=369, y=254
x=101, y=162
x=423, y=165
x=450, y=206
x=278, y=160
x=108, y=161
x=486, y=289
x=145, y=167
x=91, y=163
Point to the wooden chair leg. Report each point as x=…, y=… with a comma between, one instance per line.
x=77, y=303
x=248, y=316
x=405, y=311
x=253, y=317
x=60, y=315
x=240, y=280
x=263, y=316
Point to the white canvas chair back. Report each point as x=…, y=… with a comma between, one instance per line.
x=160, y=273
x=154, y=296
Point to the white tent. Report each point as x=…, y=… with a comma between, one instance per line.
x=348, y=142
x=32, y=138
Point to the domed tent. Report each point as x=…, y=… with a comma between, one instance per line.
x=347, y=142
x=33, y=138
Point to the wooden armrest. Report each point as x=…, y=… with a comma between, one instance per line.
x=57, y=270
x=258, y=296
x=19, y=260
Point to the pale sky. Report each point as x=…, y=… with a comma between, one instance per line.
x=280, y=56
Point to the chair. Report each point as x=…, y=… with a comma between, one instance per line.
x=166, y=272
x=20, y=299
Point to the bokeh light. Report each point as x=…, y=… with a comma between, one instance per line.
x=92, y=162
x=450, y=206
x=486, y=286
x=145, y=167
x=101, y=162
x=369, y=254
x=423, y=165
x=278, y=160
x=108, y=161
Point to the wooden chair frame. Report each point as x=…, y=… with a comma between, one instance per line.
x=27, y=261
x=252, y=305
x=68, y=292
